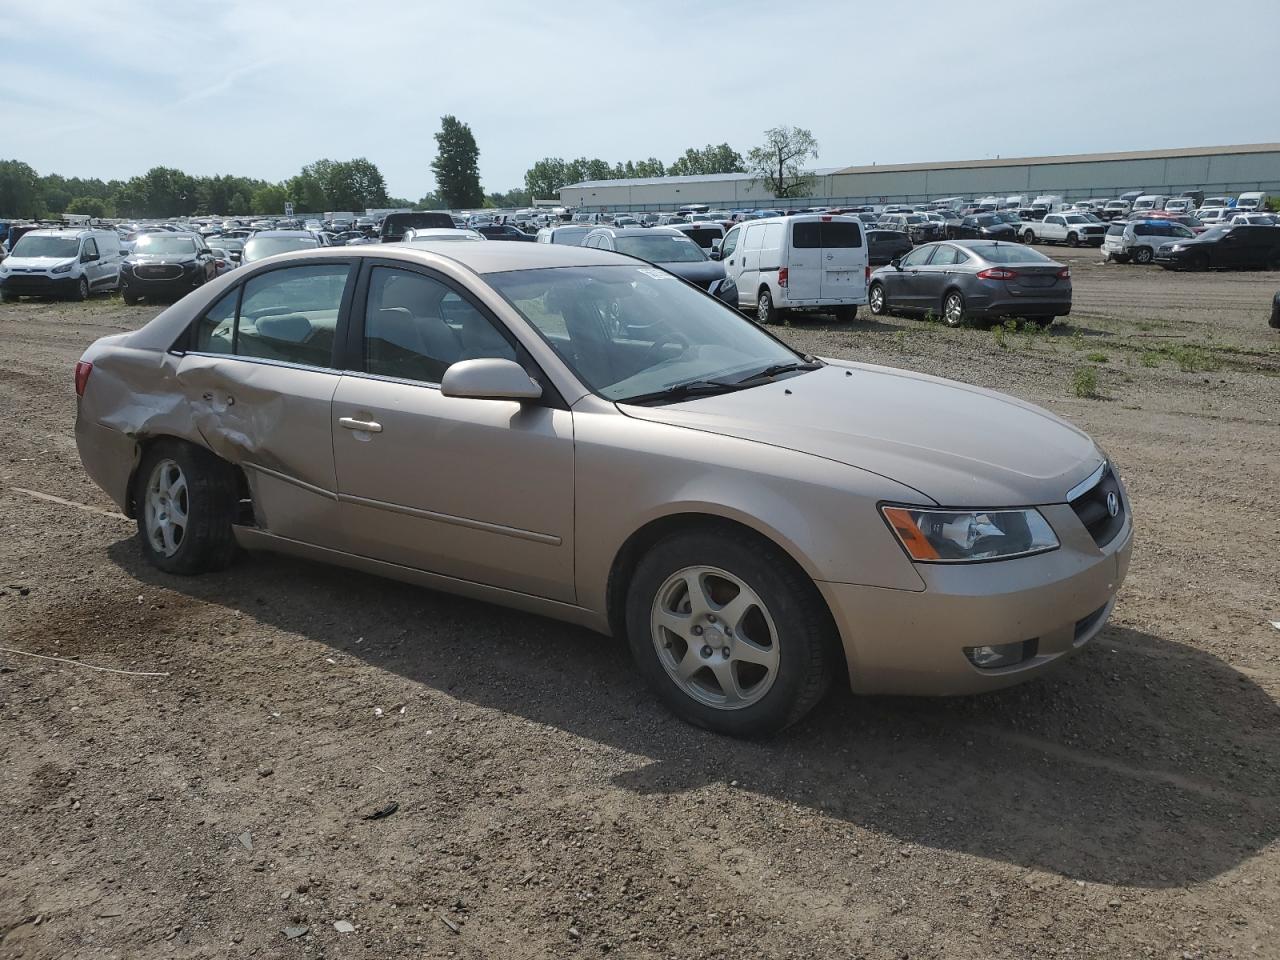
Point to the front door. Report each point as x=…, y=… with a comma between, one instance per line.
x=749, y=255
x=259, y=380
x=931, y=280
x=481, y=490
x=731, y=257
x=905, y=285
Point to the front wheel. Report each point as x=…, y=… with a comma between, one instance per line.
x=130, y=299
x=186, y=500
x=766, y=312
x=1073, y=240
x=7, y=297
x=1143, y=255
x=82, y=290
x=876, y=300
x=953, y=309
x=729, y=632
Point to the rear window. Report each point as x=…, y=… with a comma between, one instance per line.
x=1115, y=230
x=1009, y=253
x=832, y=234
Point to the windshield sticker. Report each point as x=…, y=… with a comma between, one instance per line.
x=657, y=274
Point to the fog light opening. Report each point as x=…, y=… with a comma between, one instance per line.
x=1001, y=655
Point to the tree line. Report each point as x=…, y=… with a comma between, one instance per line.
x=358, y=184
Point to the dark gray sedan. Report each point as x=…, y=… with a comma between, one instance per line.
x=665, y=247
x=973, y=280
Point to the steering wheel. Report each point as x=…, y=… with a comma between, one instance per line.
x=665, y=336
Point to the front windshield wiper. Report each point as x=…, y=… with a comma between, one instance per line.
x=779, y=368
x=679, y=391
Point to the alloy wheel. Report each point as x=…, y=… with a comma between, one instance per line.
x=877, y=299
x=166, y=508
x=953, y=309
x=715, y=637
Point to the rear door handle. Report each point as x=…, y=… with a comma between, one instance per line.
x=368, y=426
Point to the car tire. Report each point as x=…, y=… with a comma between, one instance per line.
x=1044, y=323
x=7, y=297
x=953, y=308
x=1143, y=255
x=1073, y=240
x=82, y=290
x=1199, y=262
x=782, y=652
x=186, y=500
x=130, y=299
x=766, y=312
x=846, y=314
x=1120, y=257
x=1028, y=237
x=877, y=301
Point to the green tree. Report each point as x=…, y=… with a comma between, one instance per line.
x=652, y=167
x=709, y=160
x=343, y=185
x=778, y=163
x=517, y=197
x=307, y=193
x=19, y=196
x=91, y=206
x=269, y=199
x=545, y=178
x=456, y=166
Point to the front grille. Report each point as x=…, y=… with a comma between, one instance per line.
x=1092, y=509
x=158, y=271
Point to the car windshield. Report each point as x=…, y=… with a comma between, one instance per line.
x=1008, y=217
x=32, y=245
x=1215, y=233
x=1009, y=253
x=631, y=331
x=987, y=220
x=164, y=244
x=256, y=248
x=661, y=248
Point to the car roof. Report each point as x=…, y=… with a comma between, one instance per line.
x=640, y=231
x=284, y=233
x=477, y=257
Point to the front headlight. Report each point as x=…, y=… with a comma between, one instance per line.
x=65, y=268
x=948, y=536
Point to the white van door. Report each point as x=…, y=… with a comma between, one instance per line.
x=844, y=260
x=731, y=259
x=804, y=265
x=749, y=282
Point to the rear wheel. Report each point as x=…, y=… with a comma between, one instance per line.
x=953, y=309
x=186, y=500
x=1028, y=236
x=1142, y=255
x=729, y=632
x=877, y=301
x=846, y=314
x=1044, y=323
x=766, y=312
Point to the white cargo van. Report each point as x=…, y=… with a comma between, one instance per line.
x=1149, y=202
x=58, y=262
x=805, y=261
x=1252, y=201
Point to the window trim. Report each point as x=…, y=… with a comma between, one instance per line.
x=353, y=361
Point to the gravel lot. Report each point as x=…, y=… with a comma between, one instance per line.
x=1126, y=806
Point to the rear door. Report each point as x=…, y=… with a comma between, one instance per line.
x=259, y=375
x=844, y=261
x=804, y=265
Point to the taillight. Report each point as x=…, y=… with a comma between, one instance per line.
x=1064, y=273
x=866, y=275
x=83, y=369
x=997, y=273
x=782, y=277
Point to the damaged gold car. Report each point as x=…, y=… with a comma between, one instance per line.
x=581, y=435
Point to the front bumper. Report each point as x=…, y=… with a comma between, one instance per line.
x=167, y=287
x=38, y=285
x=908, y=643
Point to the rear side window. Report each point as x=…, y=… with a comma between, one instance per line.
x=943, y=256
x=289, y=315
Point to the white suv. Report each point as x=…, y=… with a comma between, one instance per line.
x=57, y=262
x=1138, y=240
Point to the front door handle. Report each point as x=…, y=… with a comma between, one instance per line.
x=368, y=426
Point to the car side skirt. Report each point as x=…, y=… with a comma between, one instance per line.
x=251, y=538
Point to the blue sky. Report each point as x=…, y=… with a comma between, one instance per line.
x=259, y=88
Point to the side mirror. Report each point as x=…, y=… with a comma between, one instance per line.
x=896, y=263
x=489, y=378
x=88, y=257
x=715, y=253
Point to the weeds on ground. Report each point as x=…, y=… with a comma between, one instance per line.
x=1097, y=357
x=1191, y=359
x=1151, y=359
x=929, y=316
x=1077, y=340
x=997, y=334
x=1085, y=383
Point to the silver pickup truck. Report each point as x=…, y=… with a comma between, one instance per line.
x=1073, y=229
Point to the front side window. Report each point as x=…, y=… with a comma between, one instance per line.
x=630, y=331
x=730, y=242
x=917, y=257
x=290, y=315
x=90, y=248
x=415, y=327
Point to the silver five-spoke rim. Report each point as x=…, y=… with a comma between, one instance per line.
x=877, y=299
x=714, y=637
x=165, y=512
x=762, y=308
x=954, y=309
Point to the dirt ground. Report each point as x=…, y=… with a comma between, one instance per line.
x=1126, y=806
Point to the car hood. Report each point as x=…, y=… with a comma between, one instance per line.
x=956, y=444
x=701, y=272
x=142, y=258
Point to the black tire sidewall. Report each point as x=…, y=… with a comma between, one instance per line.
x=803, y=635
x=208, y=542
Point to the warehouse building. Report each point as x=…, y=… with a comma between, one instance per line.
x=1214, y=170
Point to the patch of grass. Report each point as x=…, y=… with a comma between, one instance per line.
x=1151, y=359
x=1077, y=340
x=1085, y=383
x=1191, y=359
x=929, y=316
x=997, y=334
x=1097, y=357
x=1144, y=326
